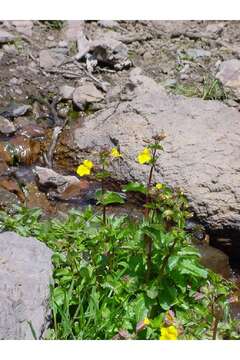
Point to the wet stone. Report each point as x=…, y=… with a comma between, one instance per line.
x=14, y=110
x=57, y=186
x=8, y=200
x=12, y=186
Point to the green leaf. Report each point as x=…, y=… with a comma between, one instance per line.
x=172, y=262
x=140, y=308
x=136, y=187
x=58, y=296
x=189, y=251
x=109, y=197
x=152, y=293
x=188, y=267
x=167, y=297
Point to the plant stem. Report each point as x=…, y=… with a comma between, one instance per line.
x=165, y=259
x=215, y=326
x=148, y=240
x=103, y=191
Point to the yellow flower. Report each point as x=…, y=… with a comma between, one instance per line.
x=168, y=333
x=88, y=164
x=158, y=186
x=85, y=168
x=146, y=321
x=115, y=153
x=145, y=156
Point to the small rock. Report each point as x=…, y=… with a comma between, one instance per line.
x=108, y=24
x=23, y=26
x=50, y=38
x=198, y=53
x=10, y=49
x=66, y=92
x=14, y=110
x=6, y=37
x=62, y=187
x=229, y=75
x=86, y=94
x=110, y=52
x=25, y=278
x=6, y=126
x=49, y=59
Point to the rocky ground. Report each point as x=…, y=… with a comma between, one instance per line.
x=68, y=88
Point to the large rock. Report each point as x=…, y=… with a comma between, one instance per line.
x=25, y=276
x=201, y=149
x=229, y=75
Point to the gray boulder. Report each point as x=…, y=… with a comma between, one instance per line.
x=25, y=276
x=201, y=149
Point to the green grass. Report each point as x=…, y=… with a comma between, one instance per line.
x=211, y=89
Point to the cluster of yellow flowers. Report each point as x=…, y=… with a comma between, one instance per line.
x=86, y=167
x=144, y=157
x=167, y=332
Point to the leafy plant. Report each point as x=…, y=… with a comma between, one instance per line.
x=53, y=24
x=117, y=278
